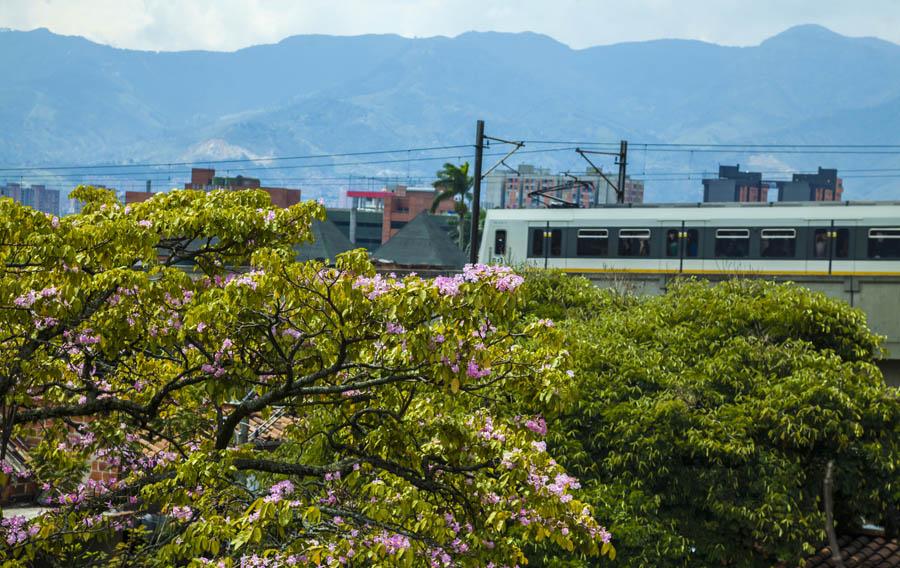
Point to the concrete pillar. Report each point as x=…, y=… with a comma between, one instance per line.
x=354, y=205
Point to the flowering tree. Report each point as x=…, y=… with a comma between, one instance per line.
x=289, y=414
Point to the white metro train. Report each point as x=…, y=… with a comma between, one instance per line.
x=841, y=239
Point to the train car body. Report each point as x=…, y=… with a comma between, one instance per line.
x=840, y=239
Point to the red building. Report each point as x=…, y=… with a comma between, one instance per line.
x=205, y=179
x=733, y=185
x=824, y=185
x=399, y=205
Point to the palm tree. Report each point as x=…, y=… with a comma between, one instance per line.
x=454, y=182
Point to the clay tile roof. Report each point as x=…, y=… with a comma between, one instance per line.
x=863, y=551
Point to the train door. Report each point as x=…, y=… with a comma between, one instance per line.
x=681, y=251
x=547, y=246
x=828, y=247
x=841, y=257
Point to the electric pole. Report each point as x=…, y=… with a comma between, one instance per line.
x=623, y=162
x=621, y=159
x=476, y=193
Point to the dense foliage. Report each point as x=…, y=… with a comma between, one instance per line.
x=706, y=417
x=454, y=184
x=288, y=414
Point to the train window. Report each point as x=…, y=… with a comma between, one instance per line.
x=732, y=243
x=691, y=242
x=500, y=242
x=672, y=236
x=692, y=246
x=884, y=243
x=634, y=242
x=592, y=242
x=537, y=242
x=550, y=238
x=778, y=243
x=840, y=242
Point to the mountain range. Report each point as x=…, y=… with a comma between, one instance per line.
x=67, y=100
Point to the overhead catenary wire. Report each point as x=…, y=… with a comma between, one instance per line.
x=237, y=160
x=290, y=167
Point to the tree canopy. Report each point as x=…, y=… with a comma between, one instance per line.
x=706, y=418
x=170, y=337
x=453, y=183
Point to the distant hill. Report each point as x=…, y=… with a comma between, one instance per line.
x=68, y=100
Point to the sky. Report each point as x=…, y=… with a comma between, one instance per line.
x=226, y=25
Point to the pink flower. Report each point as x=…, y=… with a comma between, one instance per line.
x=474, y=371
x=292, y=332
x=537, y=425
x=25, y=300
x=182, y=513
x=145, y=223
x=278, y=491
x=394, y=328
x=446, y=285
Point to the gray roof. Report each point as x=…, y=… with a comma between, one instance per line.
x=424, y=241
x=329, y=242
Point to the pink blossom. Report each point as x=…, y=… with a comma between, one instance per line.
x=474, y=371
x=278, y=491
x=292, y=332
x=377, y=285
x=537, y=425
x=182, y=513
x=446, y=285
x=393, y=543
x=25, y=300
x=394, y=328
x=145, y=223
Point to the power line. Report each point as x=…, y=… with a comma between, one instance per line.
x=710, y=145
x=238, y=160
x=184, y=171
x=774, y=150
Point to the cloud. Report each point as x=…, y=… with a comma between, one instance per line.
x=232, y=24
x=769, y=164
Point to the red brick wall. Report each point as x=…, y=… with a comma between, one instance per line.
x=403, y=206
x=137, y=196
x=283, y=197
x=17, y=490
x=102, y=471
x=201, y=177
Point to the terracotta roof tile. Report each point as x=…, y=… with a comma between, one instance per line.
x=863, y=551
